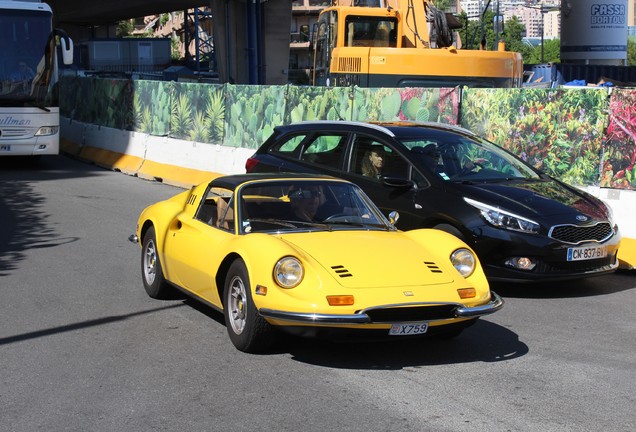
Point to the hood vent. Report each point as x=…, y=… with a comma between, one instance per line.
x=341, y=271
x=432, y=267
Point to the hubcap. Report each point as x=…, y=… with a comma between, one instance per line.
x=237, y=305
x=150, y=262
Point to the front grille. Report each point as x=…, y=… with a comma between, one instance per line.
x=17, y=133
x=575, y=234
x=576, y=266
x=414, y=313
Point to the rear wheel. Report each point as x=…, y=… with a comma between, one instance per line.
x=151, y=273
x=248, y=331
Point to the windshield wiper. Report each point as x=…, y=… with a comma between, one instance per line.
x=36, y=104
x=290, y=223
x=360, y=224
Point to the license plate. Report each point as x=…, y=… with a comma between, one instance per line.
x=5, y=147
x=586, y=253
x=408, y=329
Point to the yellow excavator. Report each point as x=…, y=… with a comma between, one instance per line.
x=403, y=43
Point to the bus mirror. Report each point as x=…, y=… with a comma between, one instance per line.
x=67, y=50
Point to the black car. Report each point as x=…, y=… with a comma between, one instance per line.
x=523, y=224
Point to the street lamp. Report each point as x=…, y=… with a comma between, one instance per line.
x=543, y=10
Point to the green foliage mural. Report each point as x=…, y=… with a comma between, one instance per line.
x=416, y=104
x=558, y=131
x=198, y=112
x=619, y=162
x=111, y=103
x=318, y=103
x=581, y=136
x=106, y=102
x=252, y=113
x=152, y=107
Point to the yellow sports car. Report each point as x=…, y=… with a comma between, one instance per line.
x=308, y=255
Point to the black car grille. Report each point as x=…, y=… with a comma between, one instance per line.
x=414, y=313
x=575, y=234
x=576, y=266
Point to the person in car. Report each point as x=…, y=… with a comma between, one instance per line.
x=305, y=202
x=372, y=162
x=429, y=154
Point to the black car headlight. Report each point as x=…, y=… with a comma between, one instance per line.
x=504, y=219
x=609, y=212
x=288, y=272
x=464, y=261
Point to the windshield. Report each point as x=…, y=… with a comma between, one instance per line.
x=307, y=205
x=455, y=157
x=23, y=40
x=368, y=31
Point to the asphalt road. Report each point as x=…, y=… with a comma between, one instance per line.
x=82, y=348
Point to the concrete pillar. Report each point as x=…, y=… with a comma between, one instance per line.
x=269, y=53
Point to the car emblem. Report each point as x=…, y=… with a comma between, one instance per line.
x=408, y=293
x=581, y=218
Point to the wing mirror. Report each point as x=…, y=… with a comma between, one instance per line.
x=398, y=182
x=394, y=217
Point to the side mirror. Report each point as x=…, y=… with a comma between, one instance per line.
x=398, y=182
x=394, y=217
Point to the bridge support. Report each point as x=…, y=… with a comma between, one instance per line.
x=251, y=40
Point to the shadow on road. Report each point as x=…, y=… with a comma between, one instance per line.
x=483, y=342
x=24, y=225
x=593, y=286
x=81, y=325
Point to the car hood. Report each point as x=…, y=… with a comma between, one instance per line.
x=368, y=259
x=538, y=199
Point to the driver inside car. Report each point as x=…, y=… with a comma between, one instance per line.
x=305, y=201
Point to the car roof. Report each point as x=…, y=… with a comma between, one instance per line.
x=232, y=181
x=391, y=128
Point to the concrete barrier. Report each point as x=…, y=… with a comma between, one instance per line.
x=176, y=162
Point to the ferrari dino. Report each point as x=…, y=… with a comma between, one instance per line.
x=311, y=256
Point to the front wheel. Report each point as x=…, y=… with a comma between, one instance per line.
x=248, y=331
x=151, y=273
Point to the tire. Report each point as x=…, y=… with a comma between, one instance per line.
x=248, y=331
x=151, y=273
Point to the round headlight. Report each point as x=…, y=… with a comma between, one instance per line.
x=464, y=262
x=288, y=272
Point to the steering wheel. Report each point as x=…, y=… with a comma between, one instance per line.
x=338, y=217
x=469, y=168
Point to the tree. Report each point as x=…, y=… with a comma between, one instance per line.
x=514, y=31
x=551, y=53
x=124, y=28
x=442, y=4
x=631, y=51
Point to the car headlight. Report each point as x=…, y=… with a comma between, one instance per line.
x=288, y=272
x=610, y=213
x=464, y=261
x=504, y=219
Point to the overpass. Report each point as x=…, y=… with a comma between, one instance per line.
x=251, y=43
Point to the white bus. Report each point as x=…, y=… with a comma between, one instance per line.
x=29, y=100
